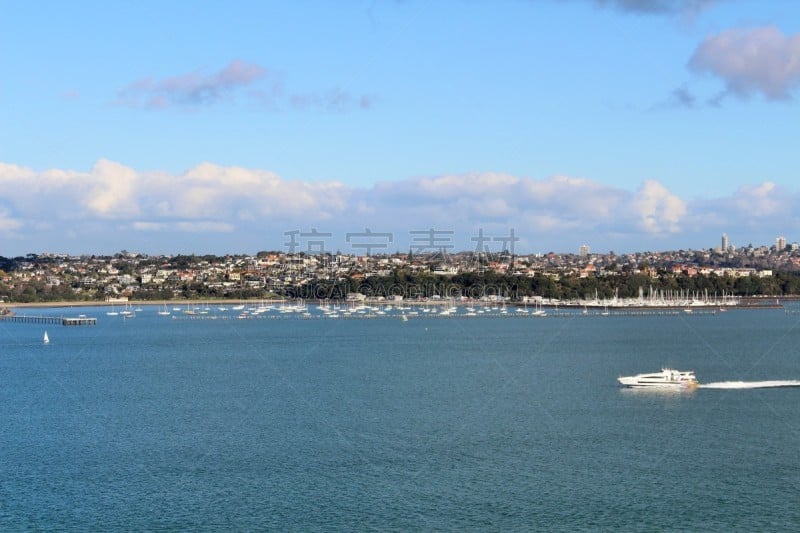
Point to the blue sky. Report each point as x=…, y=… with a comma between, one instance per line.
x=211, y=127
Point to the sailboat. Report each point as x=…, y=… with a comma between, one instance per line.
x=45, y=338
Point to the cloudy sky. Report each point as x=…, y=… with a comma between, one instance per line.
x=233, y=127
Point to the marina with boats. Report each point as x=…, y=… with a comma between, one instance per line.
x=439, y=309
x=655, y=303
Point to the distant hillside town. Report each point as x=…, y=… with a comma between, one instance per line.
x=725, y=270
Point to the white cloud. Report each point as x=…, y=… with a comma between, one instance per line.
x=758, y=60
x=112, y=190
x=763, y=209
x=212, y=190
x=205, y=227
x=552, y=205
x=763, y=200
x=657, y=210
x=149, y=226
x=450, y=187
x=215, y=206
x=551, y=223
x=10, y=173
x=206, y=192
x=584, y=197
x=8, y=224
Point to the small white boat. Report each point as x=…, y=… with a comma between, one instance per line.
x=45, y=338
x=666, y=378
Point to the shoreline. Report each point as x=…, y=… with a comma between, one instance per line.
x=744, y=303
x=134, y=303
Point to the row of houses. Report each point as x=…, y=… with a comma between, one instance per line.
x=126, y=273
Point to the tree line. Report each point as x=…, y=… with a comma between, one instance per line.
x=409, y=284
x=473, y=285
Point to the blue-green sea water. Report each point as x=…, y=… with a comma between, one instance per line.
x=481, y=423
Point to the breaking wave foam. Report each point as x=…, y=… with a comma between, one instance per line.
x=751, y=384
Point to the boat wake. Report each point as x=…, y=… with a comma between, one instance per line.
x=751, y=384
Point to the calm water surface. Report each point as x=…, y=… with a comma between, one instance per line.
x=455, y=424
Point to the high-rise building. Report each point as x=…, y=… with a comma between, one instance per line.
x=780, y=244
x=584, y=250
x=724, y=247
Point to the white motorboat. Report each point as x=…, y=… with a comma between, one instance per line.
x=666, y=378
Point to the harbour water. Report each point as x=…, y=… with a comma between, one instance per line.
x=481, y=423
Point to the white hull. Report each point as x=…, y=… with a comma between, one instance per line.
x=667, y=378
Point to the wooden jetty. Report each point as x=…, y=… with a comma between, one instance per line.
x=41, y=319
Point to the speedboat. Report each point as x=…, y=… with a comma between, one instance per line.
x=666, y=378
